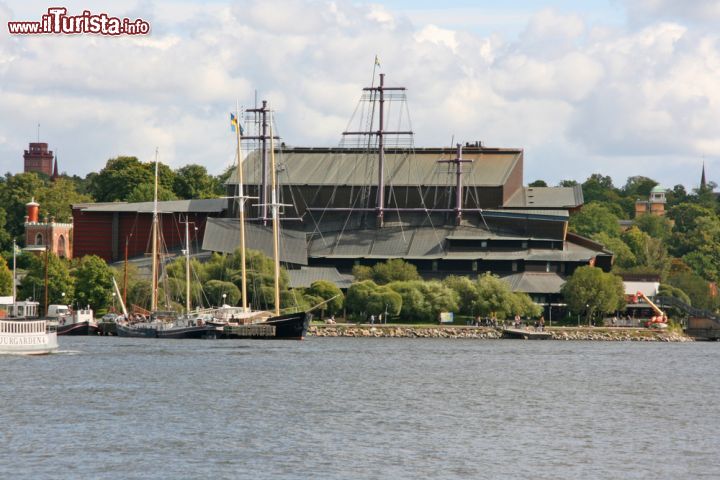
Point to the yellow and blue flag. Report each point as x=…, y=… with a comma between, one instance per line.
x=234, y=124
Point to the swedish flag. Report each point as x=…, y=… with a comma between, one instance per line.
x=234, y=124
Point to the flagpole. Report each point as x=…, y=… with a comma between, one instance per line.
x=14, y=278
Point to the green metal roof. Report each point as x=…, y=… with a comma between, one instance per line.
x=546, y=197
x=334, y=166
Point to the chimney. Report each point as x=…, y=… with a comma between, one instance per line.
x=32, y=211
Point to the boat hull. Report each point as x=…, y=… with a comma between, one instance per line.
x=133, y=331
x=184, y=332
x=291, y=326
x=78, y=328
x=27, y=338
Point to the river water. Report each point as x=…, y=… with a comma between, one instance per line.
x=345, y=408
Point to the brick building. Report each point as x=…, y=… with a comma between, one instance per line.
x=47, y=234
x=39, y=159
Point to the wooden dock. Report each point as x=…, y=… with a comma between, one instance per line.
x=525, y=334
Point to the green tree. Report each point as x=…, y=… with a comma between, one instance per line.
x=327, y=291
x=667, y=290
x=59, y=281
x=193, y=181
x=394, y=269
x=650, y=253
x=93, y=282
x=466, y=291
x=414, y=305
x=362, y=272
x=624, y=257
x=495, y=297
x=215, y=289
x=5, y=237
x=368, y=298
x=656, y=226
x=6, y=278
x=15, y=192
x=538, y=183
x=594, y=218
x=56, y=198
x=145, y=192
x=567, y=183
x=696, y=288
x=121, y=175
x=589, y=290
x=639, y=187
x=423, y=301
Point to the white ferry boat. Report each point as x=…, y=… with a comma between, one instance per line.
x=23, y=336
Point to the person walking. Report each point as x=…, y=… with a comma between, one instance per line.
x=372, y=319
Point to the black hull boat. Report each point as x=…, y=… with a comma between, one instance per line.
x=136, y=330
x=183, y=332
x=78, y=328
x=291, y=326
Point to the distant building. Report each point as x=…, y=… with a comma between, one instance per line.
x=39, y=159
x=654, y=205
x=105, y=229
x=48, y=234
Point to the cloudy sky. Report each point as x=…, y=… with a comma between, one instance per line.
x=618, y=87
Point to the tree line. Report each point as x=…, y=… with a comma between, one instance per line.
x=123, y=178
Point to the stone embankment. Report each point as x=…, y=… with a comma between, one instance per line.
x=436, y=331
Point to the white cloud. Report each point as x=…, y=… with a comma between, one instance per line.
x=579, y=99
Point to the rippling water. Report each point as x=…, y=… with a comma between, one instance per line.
x=340, y=408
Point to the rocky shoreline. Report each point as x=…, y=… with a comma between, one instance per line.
x=490, y=333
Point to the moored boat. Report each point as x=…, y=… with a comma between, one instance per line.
x=80, y=322
x=27, y=337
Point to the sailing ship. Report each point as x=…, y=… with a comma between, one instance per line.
x=243, y=322
x=161, y=324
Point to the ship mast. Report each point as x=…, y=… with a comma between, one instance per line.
x=187, y=266
x=276, y=238
x=458, y=161
x=380, y=133
x=241, y=207
x=153, y=295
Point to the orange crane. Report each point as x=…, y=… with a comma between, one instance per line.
x=660, y=319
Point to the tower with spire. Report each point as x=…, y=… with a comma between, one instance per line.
x=39, y=159
x=703, y=184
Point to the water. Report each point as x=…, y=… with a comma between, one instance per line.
x=343, y=408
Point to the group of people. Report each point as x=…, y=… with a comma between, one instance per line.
x=539, y=324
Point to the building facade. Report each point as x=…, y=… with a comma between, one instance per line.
x=39, y=159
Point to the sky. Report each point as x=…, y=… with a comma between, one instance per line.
x=616, y=87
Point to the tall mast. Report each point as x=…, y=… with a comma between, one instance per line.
x=153, y=295
x=263, y=137
x=458, y=161
x=125, y=272
x=241, y=207
x=187, y=265
x=274, y=205
x=380, y=133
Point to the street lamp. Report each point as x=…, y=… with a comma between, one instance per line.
x=113, y=305
x=224, y=296
x=63, y=298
